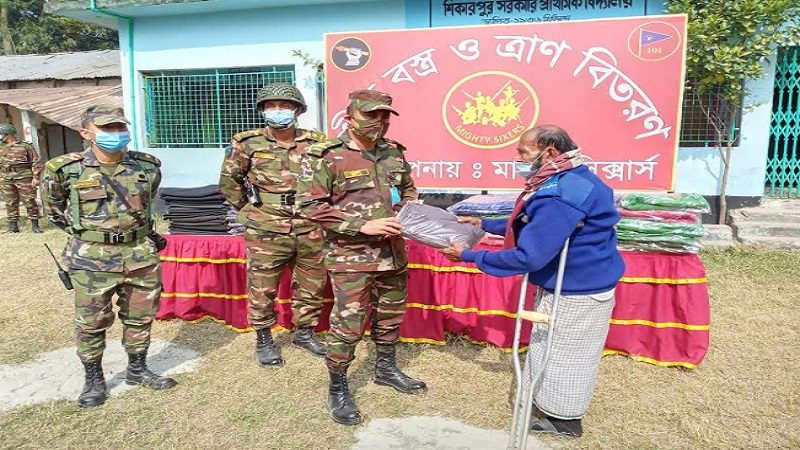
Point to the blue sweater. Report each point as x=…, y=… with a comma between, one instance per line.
x=552, y=215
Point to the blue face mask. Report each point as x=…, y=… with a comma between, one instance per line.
x=528, y=169
x=112, y=141
x=279, y=118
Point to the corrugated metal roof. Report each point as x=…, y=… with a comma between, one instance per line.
x=60, y=66
x=62, y=105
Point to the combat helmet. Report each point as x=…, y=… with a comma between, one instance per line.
x=281, y=91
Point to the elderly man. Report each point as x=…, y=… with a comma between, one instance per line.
x=562, y=199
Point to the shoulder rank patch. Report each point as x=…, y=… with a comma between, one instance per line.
x=320, y=148
x=314, y=135
x=141, y=156
x=356, y=173
x=395, y=144
x=87, y=184
x=244, y=135
x=58, y=162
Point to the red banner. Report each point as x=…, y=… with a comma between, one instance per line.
x=466, y=94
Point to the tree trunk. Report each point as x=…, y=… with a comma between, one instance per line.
x=5, y=29
x=723, y=189
x=726, y=154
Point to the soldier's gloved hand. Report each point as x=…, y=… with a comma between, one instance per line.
x=388, y=226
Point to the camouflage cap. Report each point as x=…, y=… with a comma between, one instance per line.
x=104, y=115
x=368, y=100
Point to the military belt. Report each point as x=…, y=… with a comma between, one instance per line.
x=286, y=199
x=13, y=167
x=104, y=237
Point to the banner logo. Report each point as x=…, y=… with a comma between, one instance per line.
x=654, y=41
x=490, y=110
x=350, y=54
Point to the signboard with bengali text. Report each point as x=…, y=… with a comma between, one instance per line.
x=466, y=94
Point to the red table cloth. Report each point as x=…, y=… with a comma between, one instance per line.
x=662, y=311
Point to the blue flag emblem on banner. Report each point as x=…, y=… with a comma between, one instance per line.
x=651, y=37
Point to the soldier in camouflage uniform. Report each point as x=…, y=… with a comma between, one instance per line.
x=102, y=198
x=19, y=177
x=352, y=187
x=258, y=178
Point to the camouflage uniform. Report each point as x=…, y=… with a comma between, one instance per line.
x=19, y=165
x=276, y=236
x=342, y=187
x=108, y=251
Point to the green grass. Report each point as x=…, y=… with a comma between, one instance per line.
x=745, y=395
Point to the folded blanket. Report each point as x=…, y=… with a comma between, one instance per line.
x=670, y=202
x=656, y=228
x=667, y=216
x=480, y=205
x=436, y=227
x=664, y=247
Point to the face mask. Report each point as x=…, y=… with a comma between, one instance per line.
x=279, y=118
x=370, y=129
x=526, y=170
x=112, y=141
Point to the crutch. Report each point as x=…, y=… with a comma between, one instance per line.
x=523, y=399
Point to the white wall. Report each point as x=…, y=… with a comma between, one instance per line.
x=700, y=169
x=239, y=39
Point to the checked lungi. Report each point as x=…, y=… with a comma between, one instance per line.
x=566, y=385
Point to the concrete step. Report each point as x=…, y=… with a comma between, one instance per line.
x=714, y=245
x=767, y=229
x=781, y=203
x=772, y=242
x=717, y=236
x=765, y=215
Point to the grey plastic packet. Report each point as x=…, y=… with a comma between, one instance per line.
x=436, y=227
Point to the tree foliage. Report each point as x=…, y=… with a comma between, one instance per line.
x=32, y=31
x=729, y=40
x=728, y=43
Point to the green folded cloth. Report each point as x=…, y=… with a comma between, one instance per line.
x=652, y=227
x=670, y=202
x=664, y=247
x=633, y=236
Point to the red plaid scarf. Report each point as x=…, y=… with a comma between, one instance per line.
x=561, y=163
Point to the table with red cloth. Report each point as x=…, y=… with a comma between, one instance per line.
x=662, y=311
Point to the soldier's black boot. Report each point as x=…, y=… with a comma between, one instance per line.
x=341, y=405
x=267, y=353
x=94, y=388
x=139, y=374
x=387, y=374
x=35, y=226
x=304, y=338
x=13, y=226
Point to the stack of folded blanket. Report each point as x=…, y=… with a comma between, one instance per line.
x=201, y=210
x=661, y=222
x=485, y=206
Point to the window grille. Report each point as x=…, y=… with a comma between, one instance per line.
x=205, y=108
